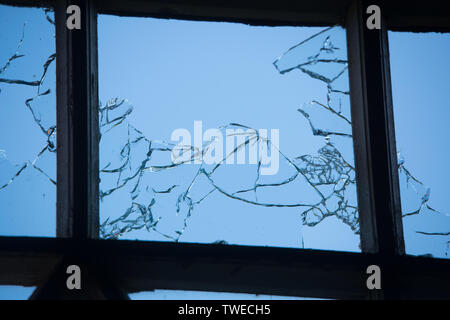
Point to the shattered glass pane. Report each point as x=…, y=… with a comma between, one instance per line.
x=27, y=122
x=207, y=136
x=420, y=84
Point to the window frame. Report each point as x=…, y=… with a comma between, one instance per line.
x=122, y=267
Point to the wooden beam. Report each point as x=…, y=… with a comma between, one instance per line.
x=405, y=15
x=260, y=12
x=401, y=15
x=145, y=266
x=417, y=15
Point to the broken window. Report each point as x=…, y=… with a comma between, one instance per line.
x=27, y=122
x=258, y=119
x=420, y=83
x=217, y=133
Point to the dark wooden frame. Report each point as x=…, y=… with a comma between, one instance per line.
x=77, y=100
x=113, y=268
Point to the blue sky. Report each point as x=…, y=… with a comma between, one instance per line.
x=21, y=139
x=174, y=72
x=218, y=73
x=420, y=84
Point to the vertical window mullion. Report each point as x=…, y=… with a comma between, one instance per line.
x=77, y=98
x=375, y=151
x=374, y=142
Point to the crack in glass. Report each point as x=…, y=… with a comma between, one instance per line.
x=318, y=57
x=328, y=168
x=328, y=172
x=48, y=131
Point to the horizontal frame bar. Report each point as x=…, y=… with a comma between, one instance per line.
x=401, y=15
x=145, y=266
x=262, y=12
